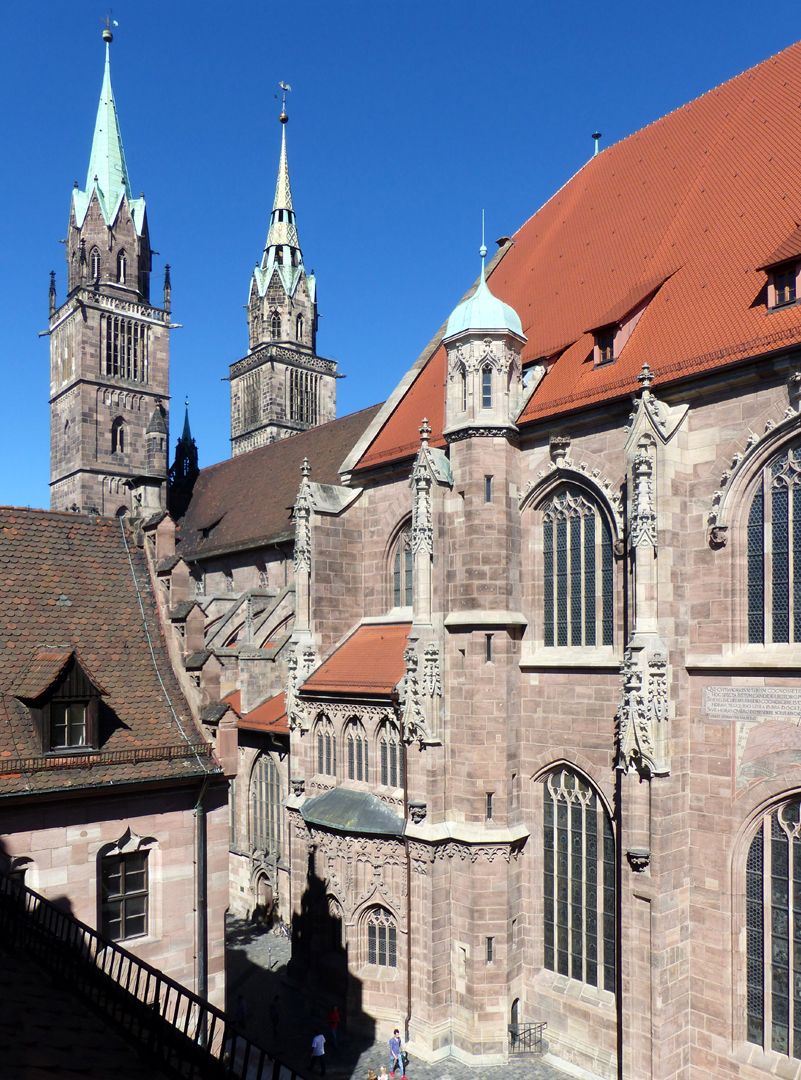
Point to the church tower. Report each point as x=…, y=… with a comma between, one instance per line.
x=109, y=346
x=282, y=386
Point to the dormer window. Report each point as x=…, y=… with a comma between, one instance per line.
x=604, y=346
x=63, y=700
x=783, y=285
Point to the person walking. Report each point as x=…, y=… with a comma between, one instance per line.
x=334, y=1018
x=318, y=1053
x=395, y=1053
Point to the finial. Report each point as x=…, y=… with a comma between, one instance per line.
x=483, y=249
x=305, y=468
x=186, y=402
x=108, y=37
x=285, y=88
x=596, y=135
x=425, y=431
x=646, y=377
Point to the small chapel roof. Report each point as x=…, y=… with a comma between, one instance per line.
x=370, y=662
x=483, y=311
x=700, y=200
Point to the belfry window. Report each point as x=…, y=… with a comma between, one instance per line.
x=579, y=920
x=275, y=326
x=94, y=264
x=402, y=570
x=266, y=811
x=486, y=387
x=118, y=436
x=774, y=553
x=356, y=746
x=773, y=932
x=124, y=348
x=299, y=328
x=122, y=267
x=304, y=387
x=326, y=744
x=382, y=938
x=577, y=563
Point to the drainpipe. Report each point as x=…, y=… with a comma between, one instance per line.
x=407, y=1019
x=201, y=899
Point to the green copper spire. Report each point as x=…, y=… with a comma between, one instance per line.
x=282, y=248
x=107, y=174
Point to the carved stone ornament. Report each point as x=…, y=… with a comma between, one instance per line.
x=422, y=524
x=642, y=715
x=417, y=811
x=432, y=676
x=298, y=784
x=559, y=447
x=302, y=516
x=648, y=411
x=481, y=433
x=639, y=859
x=413, y=716
x=299, y=666
x=643, y=511
x=561, y=468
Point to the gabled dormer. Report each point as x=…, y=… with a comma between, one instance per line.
x=616, y=325
x=783, y=269
x=63, y=699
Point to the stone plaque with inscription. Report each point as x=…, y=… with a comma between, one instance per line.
x=766, y=723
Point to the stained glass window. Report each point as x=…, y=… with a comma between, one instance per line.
x=382, y=943
x=403, y=570
x=576, y=542
x=773, y=932
x=266, y=805
x=774, y=553
x=389, y=749
x=326, y=748
x=579, y=920
x=356, y=743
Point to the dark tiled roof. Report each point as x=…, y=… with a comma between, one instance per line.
x=66, y=584
x=700, y=199
x=246, y=501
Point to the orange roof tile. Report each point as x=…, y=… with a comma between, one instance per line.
x=369, y=662
x=700, y=200
x=269, y=716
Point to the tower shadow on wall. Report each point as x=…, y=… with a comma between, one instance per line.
x=320, y=965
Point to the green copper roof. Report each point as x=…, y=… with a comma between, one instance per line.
x=282, y=247
x=107, y=174
x=483, y=311
x=353, y=812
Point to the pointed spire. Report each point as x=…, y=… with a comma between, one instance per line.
x=283, y=230
x=186, y=434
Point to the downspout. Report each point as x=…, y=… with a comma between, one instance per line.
x=201, y=899
x=407, y=1019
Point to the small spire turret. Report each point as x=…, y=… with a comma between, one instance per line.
x=52, y=292
x=167, y=288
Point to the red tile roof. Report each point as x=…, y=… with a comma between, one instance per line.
x=66, y=585
x=369, y=662
x=246, y=501
x=700, y=200
x=270, y=716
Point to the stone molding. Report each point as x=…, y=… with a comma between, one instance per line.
x=560, y=470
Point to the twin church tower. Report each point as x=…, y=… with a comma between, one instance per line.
x=109, y=342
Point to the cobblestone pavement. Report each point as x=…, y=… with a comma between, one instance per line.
x=256, y=969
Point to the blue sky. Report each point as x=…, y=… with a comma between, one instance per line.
x=405, y=120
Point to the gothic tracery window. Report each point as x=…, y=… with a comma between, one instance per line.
x=577, y=564
x=118, y=436
x=266, y=805
x=275, y=326
x=390, y=755
x=382, y=938
x=774, y=553
x=773, y=932
x=326, y=746
x=402, y=569
x=356, y=747
x=94, y=264
x=579, y=919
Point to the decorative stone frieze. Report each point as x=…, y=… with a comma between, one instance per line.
x=302, y=516
x=642, y=716
x=432, y=674
x=413, y=718
x=643, y=529
x=563, y=469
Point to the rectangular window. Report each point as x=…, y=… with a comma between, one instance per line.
x=67, y=724
x=489, y=805
x=124, y=896
x=784, y=285
x=490, y=949
x=605, y=346
x=487, y=489
x=488, y=648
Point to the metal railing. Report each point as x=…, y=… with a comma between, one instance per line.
x=526, y=1038
x=169, y=1025
x=88, y=759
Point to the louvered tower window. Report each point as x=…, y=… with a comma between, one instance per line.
x=579, y=919
x=773, y=932
x=577, y=571
x=774, y=553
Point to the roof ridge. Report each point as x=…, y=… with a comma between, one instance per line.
x=70, y=515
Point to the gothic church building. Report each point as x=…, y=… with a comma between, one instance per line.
x=516, y=682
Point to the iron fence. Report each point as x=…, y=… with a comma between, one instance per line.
x=169, y=1025
x=526, y=1038
x=87, y=760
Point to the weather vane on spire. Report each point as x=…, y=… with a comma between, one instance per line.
x=108, y=22
x=483, y=249
x=285, y=88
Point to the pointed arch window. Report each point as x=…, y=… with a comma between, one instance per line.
x=299, y=328
x=122, y=267
x=577, y=564
x=356, y=747
x=266, y=803
x=118, y=436
x=486, y=387
x=579, y=910
x=382, y=938
x=390, y=755
x=326, y=747
x=462, y=376
x=94, y=264
x=773, y=932
x=774, y=553
x=275, y=326
x=402, y=569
